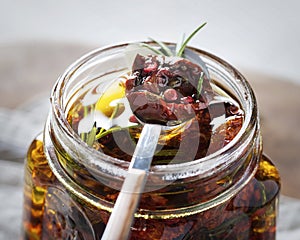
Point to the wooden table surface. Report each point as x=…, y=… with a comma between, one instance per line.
x=30, y=69
x=279, y=104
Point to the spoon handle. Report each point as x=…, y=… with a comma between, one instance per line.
x=119, y=223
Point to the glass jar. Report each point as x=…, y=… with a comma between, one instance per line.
x=70, y=188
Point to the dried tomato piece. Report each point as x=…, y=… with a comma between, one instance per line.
x=165, y=89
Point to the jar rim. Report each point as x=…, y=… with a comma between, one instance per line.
x=223, y=155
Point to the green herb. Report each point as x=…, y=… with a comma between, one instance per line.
x=263, y=193
x=199, y=87
x=104, y=132
x=85, y=111
x=90, y=139
x=166, y=153
x=184, y=44
x=153, y=49
x=84, y=136
x=166, y=51
x=179, y=51
x=95, y=133
x=164, y=48
x=179, y=44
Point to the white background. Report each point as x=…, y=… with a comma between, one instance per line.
x=260, y=35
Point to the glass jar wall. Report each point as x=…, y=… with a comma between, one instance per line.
x=70, y=187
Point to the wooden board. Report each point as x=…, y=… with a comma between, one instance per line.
x=279, y=105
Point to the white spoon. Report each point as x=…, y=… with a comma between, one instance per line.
x=120, y=221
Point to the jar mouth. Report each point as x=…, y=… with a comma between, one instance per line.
x=223, y=156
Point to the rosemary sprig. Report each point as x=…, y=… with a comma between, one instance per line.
x=166, y=51
x=90, y=139
x=104, y=132
x=179, y=51
x=179, y=44
x=199, y=86
x=153, y=49
x=184, y=44
x=94, y=134
x=164, y=48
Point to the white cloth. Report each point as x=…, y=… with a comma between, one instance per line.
x=18, y=127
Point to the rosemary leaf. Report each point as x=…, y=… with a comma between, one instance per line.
x=181, y=50
x=83, y=136
x=85, y=111
x=179, y=44
x=155, y=50
x=199, y=87
x=167, y=153
x=104, y=133
x=164, y=48
x=91, y=136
